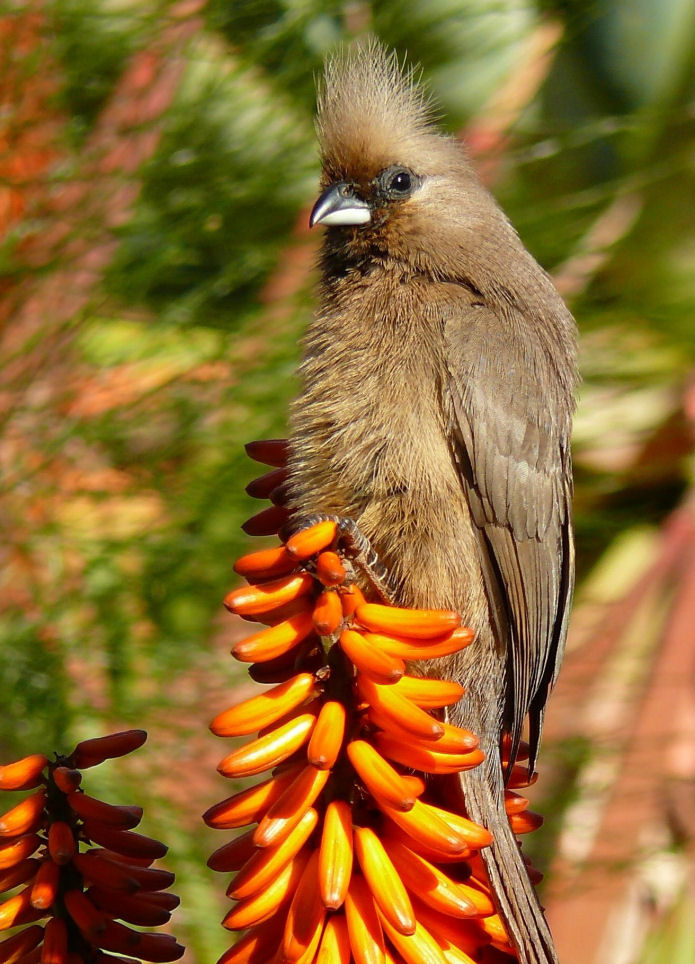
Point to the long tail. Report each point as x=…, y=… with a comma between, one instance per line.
x=513, y=892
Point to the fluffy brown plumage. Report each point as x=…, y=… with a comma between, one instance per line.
x=438, y=380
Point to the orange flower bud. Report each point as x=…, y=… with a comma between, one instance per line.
x=430, y=884
x=61, y=843
x=364, y=928
x=404, y=713
x=264, y=709
x=417, y=948
x=24, y=774
x=335, y=942
x=328, y=613
x=370, y=661
x=525, y=822
x=66, y=779
x=378, y=776
x=307, y=542
x=414, y=623
x=14, y=851
x=277, y=640
x=424, y=756
x=424, y=824
x=494, y=928
x=287, y=811
x=261, y=906
x=265, y=564
x=269, y=451
x=269, y=750
x=425, y=649
x=384, y=881
x=265, y=863
x=335, y=854
x=90, y=808
x=429, y=694
x=330, y=569
x=306, y=914
x=351, y=598
x=514, y=802
x=25, y=817
x=249, y=806
x=89, y=753
x=45, y=887
x=18, y=910
x=250, y=600
x=327, y=737
x=256, y=946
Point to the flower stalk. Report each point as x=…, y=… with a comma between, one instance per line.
x=351, y=855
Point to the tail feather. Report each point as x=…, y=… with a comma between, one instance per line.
x=481, y=791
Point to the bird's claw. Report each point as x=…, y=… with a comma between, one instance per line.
x=354, y=548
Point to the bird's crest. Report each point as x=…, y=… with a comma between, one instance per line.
x=372, y=111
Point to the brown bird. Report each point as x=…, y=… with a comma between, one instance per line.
x=435, y=413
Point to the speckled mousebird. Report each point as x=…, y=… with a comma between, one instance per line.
x=435, y=412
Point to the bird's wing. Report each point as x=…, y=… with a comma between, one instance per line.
x=514, y=461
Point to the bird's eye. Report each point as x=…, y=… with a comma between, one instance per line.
x=396, y=183
x=401, y=183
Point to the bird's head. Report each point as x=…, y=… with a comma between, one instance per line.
x=392, y=184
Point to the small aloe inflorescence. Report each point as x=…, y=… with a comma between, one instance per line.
x=349, y=855
x=79, y=864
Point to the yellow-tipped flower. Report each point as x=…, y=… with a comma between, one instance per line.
x=335, y=854
x=384, y=881
x=349, y=855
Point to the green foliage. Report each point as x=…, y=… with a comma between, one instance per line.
x=33, y=671
x=92, y=43
x=219, y=197
x=465, y=49
x=286, y=38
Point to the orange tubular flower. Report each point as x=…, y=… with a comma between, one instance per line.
x=329, y=569
x=307, y=542
x=328, y=613
x=83, y=893
x=384, y=881
x=372, y=663
x=327, y=737
x=263, y=865
x=349, y=855
x=265, y=565
x=336, y=854
x=24, y=774
x=289, y=809
x=267, y=708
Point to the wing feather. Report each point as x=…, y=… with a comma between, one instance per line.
x=511, y=422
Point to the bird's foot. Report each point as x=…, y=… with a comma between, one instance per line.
x=354, y=548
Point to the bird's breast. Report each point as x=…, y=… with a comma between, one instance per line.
x=370, y=440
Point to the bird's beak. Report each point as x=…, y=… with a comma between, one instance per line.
x=339, y=205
